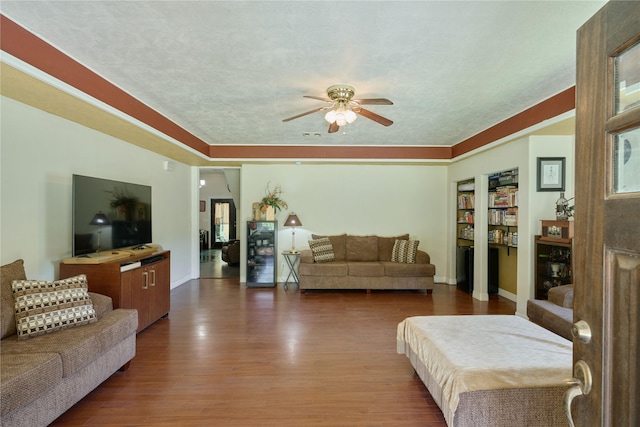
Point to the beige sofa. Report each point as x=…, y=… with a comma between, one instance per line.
x=43, y=376
x=556, y=313
x=364, y=262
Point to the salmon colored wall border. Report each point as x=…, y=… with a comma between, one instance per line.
x=24, y=45
x=319, y=152
x=547, y=109
x=27, y=47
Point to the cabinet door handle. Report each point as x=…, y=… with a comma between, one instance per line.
x=145, y=281
x=153, y=277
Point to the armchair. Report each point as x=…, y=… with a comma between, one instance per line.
x=231, y=252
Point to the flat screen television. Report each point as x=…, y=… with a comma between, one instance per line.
x=109, y=214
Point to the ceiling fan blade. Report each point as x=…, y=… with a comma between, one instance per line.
x=333, y=127
x=319, y=98
x=373, y=116
x=373, y=101
x=304, y=114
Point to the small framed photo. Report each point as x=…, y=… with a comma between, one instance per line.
x=203, y=206
x=551, y=173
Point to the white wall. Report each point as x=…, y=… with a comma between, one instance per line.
x=40, y=152
x=533, y=206
x=385, y=200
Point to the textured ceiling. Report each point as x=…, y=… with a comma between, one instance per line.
x=230, y=71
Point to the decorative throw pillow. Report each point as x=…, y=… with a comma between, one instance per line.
x=405, y=251
x=43, y=307
x=322, y=250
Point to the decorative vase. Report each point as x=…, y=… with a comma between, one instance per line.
x=256, y=211
x=271, y=213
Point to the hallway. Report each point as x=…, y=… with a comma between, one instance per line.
x=212, y=266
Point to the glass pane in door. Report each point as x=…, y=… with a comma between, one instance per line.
x=221, y=220
x=627, y=75
x=626, y=158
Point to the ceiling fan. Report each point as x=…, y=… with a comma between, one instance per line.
x=343, y=109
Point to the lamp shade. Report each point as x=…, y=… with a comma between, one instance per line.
x=292, y=221
x=100, y=219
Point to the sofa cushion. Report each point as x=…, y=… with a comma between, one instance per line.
x=327, y=269
x=551, y=317
x=9, y=273
x=339, y=244
x=397, y=269
x=102, y=304
x=80, y=346
x=405, y=251
x=322, y=250
x=385, y=246
x=25, y=377
x=562, y=295
x=42, y=307
x=365, y=269
x=362, y=248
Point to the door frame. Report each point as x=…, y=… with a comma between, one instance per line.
x=232, y=221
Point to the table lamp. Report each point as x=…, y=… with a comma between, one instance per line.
x=100, y=220
x=293, y=222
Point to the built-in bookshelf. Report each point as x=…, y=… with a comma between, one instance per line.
x=465, y=212
x=502, y=217
x=502, y=228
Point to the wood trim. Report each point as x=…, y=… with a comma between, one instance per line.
x=29, y=48
x=333, y=152
x=558, y=104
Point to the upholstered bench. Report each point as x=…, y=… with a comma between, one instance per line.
x=496, y=370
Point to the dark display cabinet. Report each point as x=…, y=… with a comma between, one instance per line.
x=261, y=253
x=464, y=270
x=553, y=265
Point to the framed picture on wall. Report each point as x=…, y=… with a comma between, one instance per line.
x=203, y=206
x=551, y=173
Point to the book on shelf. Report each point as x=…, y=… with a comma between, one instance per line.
x=503, y=197
x=511, y=217
x=466, y=201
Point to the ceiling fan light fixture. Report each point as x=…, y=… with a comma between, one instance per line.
x=330, y=116
x=341, y=115
x=350, y=116
x=344, y=109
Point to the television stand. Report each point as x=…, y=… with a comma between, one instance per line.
x=140, y=281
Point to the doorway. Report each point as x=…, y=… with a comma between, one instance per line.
x=223, y=222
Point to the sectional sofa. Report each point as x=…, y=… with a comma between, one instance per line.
x=44, y=374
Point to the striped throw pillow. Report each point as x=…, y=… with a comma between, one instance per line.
x=322, y=250
x=43, y=307
x=405, y=251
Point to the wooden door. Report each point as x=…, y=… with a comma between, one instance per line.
x=607, y=219
x=135, y=294
x=160, y=287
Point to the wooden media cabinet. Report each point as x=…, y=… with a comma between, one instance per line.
x=142, y=282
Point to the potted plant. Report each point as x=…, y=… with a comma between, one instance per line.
x=272, y=201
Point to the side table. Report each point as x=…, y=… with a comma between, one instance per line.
x=292, y=259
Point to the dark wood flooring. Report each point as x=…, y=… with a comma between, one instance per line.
x=212, y=266
x=232, y=356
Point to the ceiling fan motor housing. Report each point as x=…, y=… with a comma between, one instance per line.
x=341, y=92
